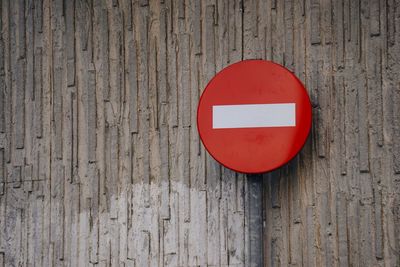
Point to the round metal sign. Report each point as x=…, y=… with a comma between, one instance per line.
x=254, y=116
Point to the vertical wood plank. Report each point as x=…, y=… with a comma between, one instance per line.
x=338, y=18
x=2, y=173
x=289, y=45
x=132, y=82
x=310, y=233
x=91, y=114
x=21, y=33
x=70, y=41
x=342, y=232
x=104, y=50
x=315, y=22
x=396, y=129
x=38, y=93
x=13, y=230
x=255, y=221
x=19, y=105
x=374, y=18
x=2, y=76
x=58, y=76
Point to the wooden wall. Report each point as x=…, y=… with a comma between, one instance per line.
x=101, y=163
x=338, y=203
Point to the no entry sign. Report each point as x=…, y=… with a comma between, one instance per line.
x=254, y=116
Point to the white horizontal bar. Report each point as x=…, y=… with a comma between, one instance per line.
x=255, y=115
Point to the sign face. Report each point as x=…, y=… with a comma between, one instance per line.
x=254, y=116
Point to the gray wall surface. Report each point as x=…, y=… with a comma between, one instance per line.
x=101, y=162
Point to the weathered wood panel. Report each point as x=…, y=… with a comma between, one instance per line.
x=101, y=163
x=337, y=203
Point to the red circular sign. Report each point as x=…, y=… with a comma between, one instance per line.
x=254, y=116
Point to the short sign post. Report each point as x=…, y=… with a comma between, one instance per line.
x=254, y=116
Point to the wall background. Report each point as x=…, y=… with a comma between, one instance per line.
x=100, y=160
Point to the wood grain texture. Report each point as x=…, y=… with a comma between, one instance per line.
x=101, y=163
x=353, y=152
